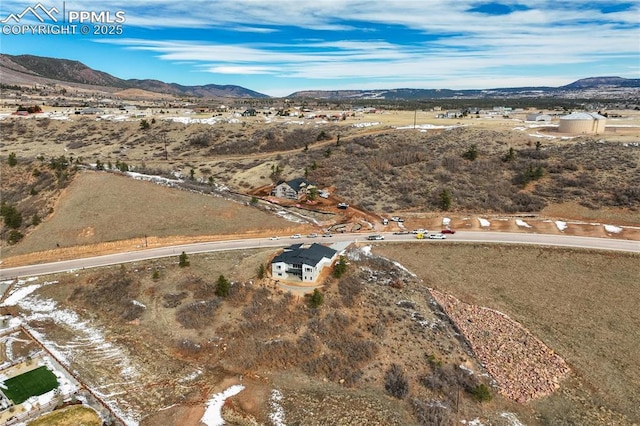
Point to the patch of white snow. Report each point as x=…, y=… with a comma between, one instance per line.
x=277, y=415
x=484, y=222
x=522, y=223
x=213, y=414
x=611, y=229
x=561, y=225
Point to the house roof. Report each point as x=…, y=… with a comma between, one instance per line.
x=298, y=183
x=308, y=256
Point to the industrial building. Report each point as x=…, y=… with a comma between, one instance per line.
x=582, y=123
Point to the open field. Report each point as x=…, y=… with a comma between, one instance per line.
x=101, y=207
x=582, y=304
x=32, y=383
x=73, y=415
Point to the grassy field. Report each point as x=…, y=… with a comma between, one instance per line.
x=103, y=207
x=583, y=304
x=34, y=382
x=74, y=415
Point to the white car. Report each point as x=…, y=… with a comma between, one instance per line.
x=296, y=236
x=419, y=231
x=437, y=237
x=314, y=235
x=274, y=238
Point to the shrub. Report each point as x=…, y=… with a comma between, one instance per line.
x=222, y=286
x=262, y=271
x=349, y=289
x=432, y=413
x=340, y=268
x=12, y=217
x=316, y=299
x=183, y=260
x=172, y=300
x=395, y=382
x=12, y=160
x=14, y=236
x=471, y=154
x=482, y=393
x=445, y=199
x=197, y=314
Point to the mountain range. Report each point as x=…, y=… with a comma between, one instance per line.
x=27, y=70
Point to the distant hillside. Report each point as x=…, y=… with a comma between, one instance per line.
x=29, y=69
x=602, y=86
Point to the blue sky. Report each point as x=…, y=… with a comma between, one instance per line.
x=277, y=47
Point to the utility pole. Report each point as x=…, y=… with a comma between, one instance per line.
x=415, y=115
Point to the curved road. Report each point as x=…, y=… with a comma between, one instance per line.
x=461, y=236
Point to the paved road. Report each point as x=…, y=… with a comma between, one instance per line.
x=462, y=236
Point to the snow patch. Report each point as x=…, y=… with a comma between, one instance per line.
x=446, y=221
x=512, y=419
x=484, y=222
x=142, y=305
x=611, y=229
x=522, y=223
x=277, y=414
x=561, y=225
x=213, y=414
x=474, y=422
x=20, y=294
x=366, y=124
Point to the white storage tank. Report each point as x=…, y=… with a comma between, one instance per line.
x=582, y=123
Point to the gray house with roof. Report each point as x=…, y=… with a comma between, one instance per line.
x=293, y=189
x=299, y=263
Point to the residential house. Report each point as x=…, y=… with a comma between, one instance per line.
x=299, y=263
x=249, y=113
x=293, y=189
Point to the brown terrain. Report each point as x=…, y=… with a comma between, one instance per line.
x=383, y=348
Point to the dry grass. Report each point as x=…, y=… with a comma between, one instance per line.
x=579, y=303
x=76, y=415
x=102, y=207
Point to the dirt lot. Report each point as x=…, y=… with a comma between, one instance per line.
x=577, y=302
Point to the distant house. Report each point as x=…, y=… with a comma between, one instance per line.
x=249, y=113
x=299, y=263
x=538, y=117
x=292, y=189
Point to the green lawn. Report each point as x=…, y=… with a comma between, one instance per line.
x=35, y=382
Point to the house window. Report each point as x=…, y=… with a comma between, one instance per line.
x=279, y=274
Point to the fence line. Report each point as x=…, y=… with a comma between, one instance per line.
x=115, y=415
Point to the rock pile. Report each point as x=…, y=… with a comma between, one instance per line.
x=523, y=366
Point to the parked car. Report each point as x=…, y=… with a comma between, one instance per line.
x=343, y=205
x=314, y=235
x=437, y=237
x=385, y=221
x=296, y=236
x=448, y=231
x=375, y=237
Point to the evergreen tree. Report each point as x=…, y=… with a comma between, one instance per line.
x=222, y=286
x=183, y=260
